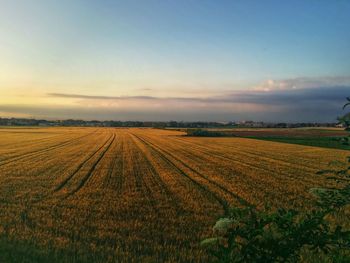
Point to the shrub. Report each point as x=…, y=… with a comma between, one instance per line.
x=250, y=235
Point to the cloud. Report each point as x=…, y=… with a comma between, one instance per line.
x=302, y=83
x=293, y=97
x=125, y=98
x=81, y=96
x=284, y=96
x=144, y=89
x=290, y=100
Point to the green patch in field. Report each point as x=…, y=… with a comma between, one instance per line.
x=325, y=142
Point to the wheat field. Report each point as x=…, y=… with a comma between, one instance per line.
x=149, y=195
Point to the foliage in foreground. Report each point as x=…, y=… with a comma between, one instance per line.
x=249, y=235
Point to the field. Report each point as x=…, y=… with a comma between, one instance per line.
x=131, y=195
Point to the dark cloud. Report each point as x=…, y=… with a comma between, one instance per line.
x=272, y=97
x=293, y=97
x=124, y=98
x=80, y=96
x=319, y=104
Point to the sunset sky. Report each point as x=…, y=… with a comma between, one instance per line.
x=174, y=60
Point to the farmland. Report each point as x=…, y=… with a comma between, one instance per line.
x=108, y=194
x=320, y=137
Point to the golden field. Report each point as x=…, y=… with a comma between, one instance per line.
x=150, y=195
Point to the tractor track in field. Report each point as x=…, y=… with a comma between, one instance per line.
x=253, y=154
x=117, y=164
x=204, y=151
x=142, y=185
x=213, y=152
x=65, y=181
x=222, y=188
x=198, y=185
x=30, y=143
x=31, y=204
x=157, y=179
x=140, y=179
x=109, y=142
x=42, y=151
x=68, y=178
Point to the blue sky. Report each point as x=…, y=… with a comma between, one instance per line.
x=188, y=52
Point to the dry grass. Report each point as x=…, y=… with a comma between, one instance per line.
x=142, y=194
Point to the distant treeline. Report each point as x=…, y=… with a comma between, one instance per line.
x=206, y=133
x=154, y=124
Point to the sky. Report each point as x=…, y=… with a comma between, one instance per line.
x=193, y=60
